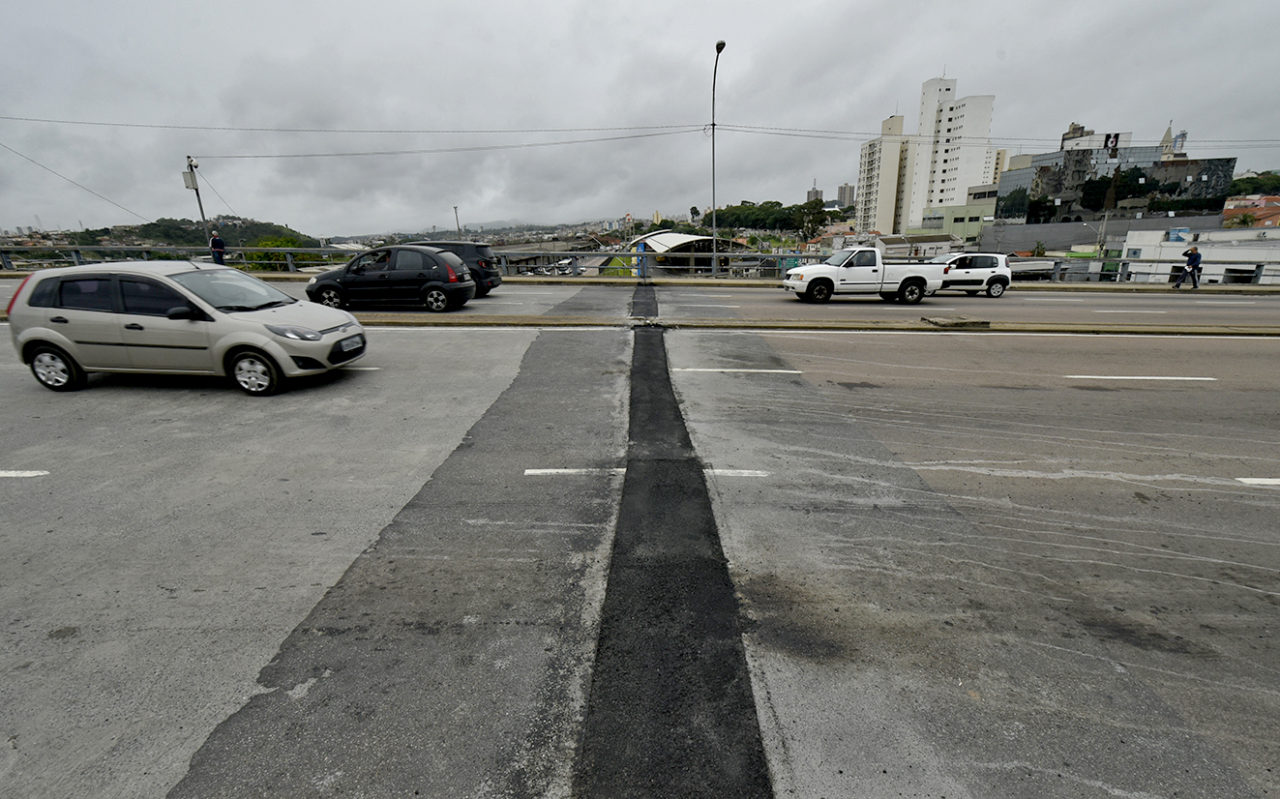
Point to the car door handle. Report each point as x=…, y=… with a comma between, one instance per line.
x=134, y=326
x=62, y=320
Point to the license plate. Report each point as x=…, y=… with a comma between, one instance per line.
x=352, y=343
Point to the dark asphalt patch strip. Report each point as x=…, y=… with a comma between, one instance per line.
x=670, y=711
x=644, y=303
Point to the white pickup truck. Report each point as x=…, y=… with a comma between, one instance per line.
x=861, y=270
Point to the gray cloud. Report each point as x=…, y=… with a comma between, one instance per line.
x=551, y=67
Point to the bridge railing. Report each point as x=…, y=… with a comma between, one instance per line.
x=640, y=265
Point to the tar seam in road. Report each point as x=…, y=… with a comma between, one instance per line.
x=670, y=711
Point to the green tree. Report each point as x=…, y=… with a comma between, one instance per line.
x=810, y=218
x=1265, y=183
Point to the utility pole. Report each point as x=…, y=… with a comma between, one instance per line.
x=715, y=255
x=189, y=178
x=456, y=222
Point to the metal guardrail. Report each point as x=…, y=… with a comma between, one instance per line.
x=266, y=258
x=512, y=262
x=640, y=265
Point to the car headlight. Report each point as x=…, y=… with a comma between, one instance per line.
x=312, y=280
x=294, y=332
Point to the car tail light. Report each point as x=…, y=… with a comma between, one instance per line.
x=14, y=298
x=453, y=276
x=483, y=262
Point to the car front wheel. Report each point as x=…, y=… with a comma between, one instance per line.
x=436, y=300
x=332, y=297
x=819, y=291
x=56, y=370
x=996, y=289
x=255, y=373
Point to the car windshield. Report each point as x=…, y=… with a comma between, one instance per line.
x=838, y=258
x=232, y=290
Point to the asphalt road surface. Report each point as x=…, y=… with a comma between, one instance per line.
x=519, y=562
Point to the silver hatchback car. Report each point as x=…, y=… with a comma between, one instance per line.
x=174, y=317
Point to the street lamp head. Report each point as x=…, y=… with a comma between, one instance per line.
x=719, y=46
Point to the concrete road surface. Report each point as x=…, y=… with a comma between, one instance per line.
x=971, y=565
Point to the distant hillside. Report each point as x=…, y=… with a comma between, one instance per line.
x=236, y=231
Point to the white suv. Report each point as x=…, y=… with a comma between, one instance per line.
x=972, y=272
x=174, y=317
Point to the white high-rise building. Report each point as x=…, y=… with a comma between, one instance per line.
x=878, y=169
x=936, y=166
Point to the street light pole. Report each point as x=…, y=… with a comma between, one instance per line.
x=715, y=256
x=189, y=177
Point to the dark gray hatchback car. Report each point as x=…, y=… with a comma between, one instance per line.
x=479, y=258
x=399, y=274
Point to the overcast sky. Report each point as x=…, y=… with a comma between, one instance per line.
x=549, y=112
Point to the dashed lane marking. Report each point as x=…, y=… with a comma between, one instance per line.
x=745, y=371
x=1260, y=481
x=22, y=474
x=1137, y=377
x=561, y=472
x=622, y=470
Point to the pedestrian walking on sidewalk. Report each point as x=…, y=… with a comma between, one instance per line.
x=1192, y=268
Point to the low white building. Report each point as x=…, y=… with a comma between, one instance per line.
x=1247, y=255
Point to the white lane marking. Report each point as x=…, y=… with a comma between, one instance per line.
x=1260, y=481
x=704, y=296
x=1135, y=377
x=1130, y=312
x=1051, y=299
x=363, y=368
x=623, y=470
x=1225, y=302
x=746, y=371
x=560, y=472
x=23, y=474
x=691, y=305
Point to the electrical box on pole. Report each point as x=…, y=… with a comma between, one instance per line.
x=189, y=180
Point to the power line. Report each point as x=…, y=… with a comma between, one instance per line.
x=444, y=150
x=803, y=132
x=374, y=131
x=72, y=182
x=205, y=178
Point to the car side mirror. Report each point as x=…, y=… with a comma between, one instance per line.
x=181, y=312
x=357, y=269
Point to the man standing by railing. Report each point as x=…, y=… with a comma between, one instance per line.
x=218, y=248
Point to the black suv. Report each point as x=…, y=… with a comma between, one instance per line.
x=479, y=258
x=438, y=279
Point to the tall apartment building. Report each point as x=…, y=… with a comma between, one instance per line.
x=936, y=166
x=845, y=195
x=878, y=170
